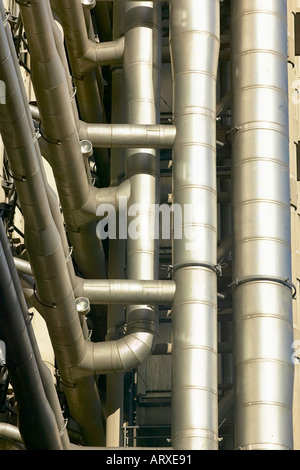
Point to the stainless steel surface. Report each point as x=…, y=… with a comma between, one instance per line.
x=194, y=26
x=146, y=160
x=261, y=213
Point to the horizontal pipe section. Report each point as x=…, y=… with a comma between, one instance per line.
x=127, y=291
x=128, y=135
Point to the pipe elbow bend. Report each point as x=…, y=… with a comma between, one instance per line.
x=118, y=356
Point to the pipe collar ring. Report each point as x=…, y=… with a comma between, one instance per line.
x=284, y=282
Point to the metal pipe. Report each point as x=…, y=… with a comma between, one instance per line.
x=89, y=94
x=127, y=291
x=128, y=135
x=86, y=53
x=133, y=349
x=11, y=432
x=37, y=423
x=261, y=211
x=45, y=374
x=53, y=285
x=54, y=292
x=59, y=132
x=115, y=388
x=142, y=79
x=194, y=27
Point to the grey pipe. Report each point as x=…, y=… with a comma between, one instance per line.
x=194, y=27
x=53, y=285
x=87, y=54
x=81, y=358
x=261, y=210
x=128, y=135
x=11, y=432
x=59, y=131
x=142, y=320
x=45, y=374
x=142, y=79
x=127, y=291
x=37, y=423
x=117, y=248
x=88, y=91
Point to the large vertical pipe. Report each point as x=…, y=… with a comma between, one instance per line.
x=194, y=42
x=261, y=212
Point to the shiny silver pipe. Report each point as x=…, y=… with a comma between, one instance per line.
x=142, y=79
x=59, y=134
x=86, y=53
x=11, y=432
x=261, y=212
x=37, y=423
x=128, y=135
x=53, y=286
x=116, y=314
x=88, y=83
x=126, y=291
x=142, y=253
x=44, y=371
x=194, y=27
x=86, y=358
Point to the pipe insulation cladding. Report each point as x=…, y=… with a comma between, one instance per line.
x=261, y=214
x=149, y=225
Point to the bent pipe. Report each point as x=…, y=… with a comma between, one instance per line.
x=42, y=240
x=85, y=54
x=89, y=95
x=45, y=374
x=59, y=131
x=37, y=424
x=53, y=286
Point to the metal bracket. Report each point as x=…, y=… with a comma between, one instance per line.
x=284, y=282
x=49, y=305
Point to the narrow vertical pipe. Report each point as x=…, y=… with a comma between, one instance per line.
x=262, y=296
x=142, y=81
x=117, y=247
x=194, y=44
